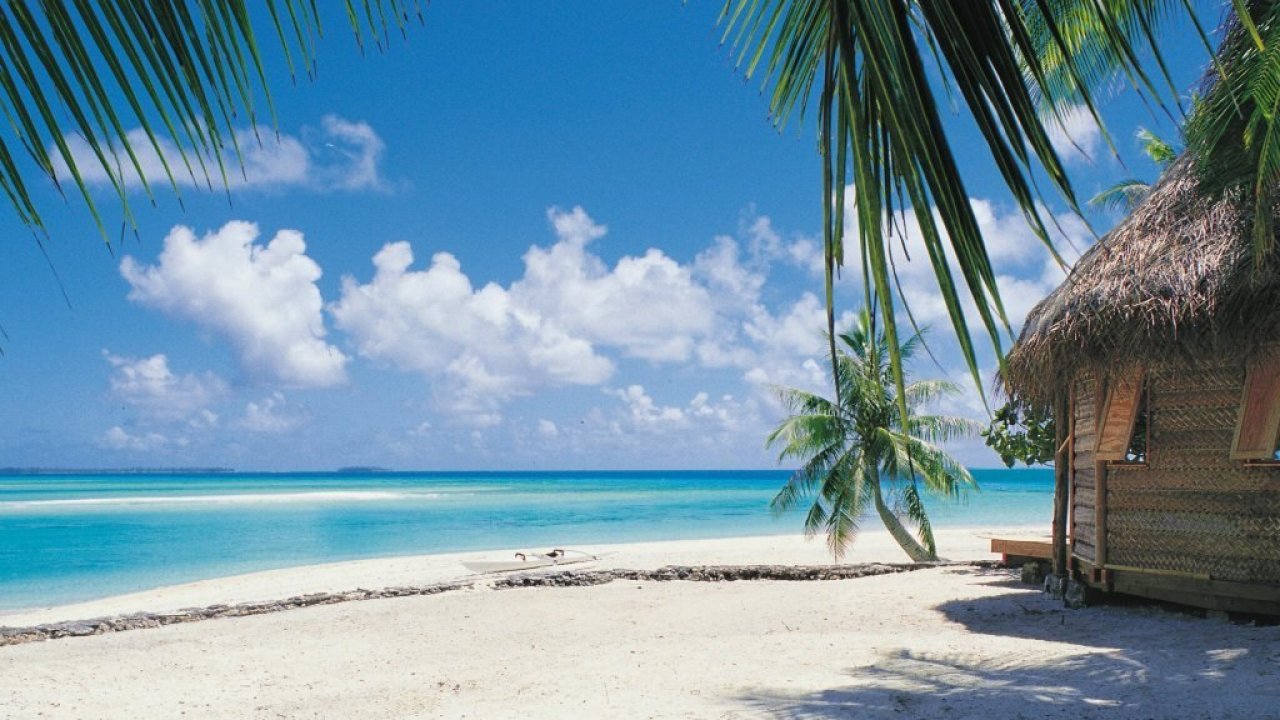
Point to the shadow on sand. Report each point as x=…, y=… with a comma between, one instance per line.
x=1120, y=661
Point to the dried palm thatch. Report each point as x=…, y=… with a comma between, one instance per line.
x=1178, y=277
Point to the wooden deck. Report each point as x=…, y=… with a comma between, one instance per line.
x=1022, y=550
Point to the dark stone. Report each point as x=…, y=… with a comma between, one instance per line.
x=1077, y=594
x=1033, y=573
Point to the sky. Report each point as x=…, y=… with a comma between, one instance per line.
x=525, y=236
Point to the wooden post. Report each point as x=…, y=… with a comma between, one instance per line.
x=1100, y=514
x=1062, y=413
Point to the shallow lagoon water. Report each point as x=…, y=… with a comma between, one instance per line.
x=65, y=538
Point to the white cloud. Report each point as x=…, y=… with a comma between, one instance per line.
x=481, y=343
x=269, y=415
x=547, y=329
x=548, y=429
x=1076, y=137
x=339, y=155
x=345, y=155
x=117, y=438
x=573, y=286
x=642, y=413
x=149, y=385
x=263, y=299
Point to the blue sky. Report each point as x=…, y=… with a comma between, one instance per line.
x=529, y=235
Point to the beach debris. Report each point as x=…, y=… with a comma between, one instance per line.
x=564, y=578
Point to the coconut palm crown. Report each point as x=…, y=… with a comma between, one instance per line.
x=858, y=453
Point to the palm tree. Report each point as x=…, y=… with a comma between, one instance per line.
x=857, y=449
x=1126, y=194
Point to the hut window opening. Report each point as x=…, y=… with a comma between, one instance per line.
x=1258, y=423
x=1124, y=422
x=1136, y=454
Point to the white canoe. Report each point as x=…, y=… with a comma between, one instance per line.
x=530, y=561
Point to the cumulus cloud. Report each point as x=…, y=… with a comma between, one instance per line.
x=549, y=328
x=262, y=299
x=339, y=155
x=571, y=318
x=641, y=413
x=568, y=283
x=150, y=386
x=435, y=322
x=1076, y=137
x=269, y=415
x=117, y=438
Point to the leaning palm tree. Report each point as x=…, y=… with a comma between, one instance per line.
x=858, y=452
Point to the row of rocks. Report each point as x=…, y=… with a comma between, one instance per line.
x=720, y=573
x=564, y=578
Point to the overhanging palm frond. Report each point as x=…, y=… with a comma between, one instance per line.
x=186, y=71
x=1233, y=130
x=879, y=128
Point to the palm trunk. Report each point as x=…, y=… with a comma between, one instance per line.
x=914, y=550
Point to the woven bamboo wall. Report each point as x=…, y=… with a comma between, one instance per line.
x=1191, y=509
x=1083, y=530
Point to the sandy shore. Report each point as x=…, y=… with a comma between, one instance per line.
x=960, y=642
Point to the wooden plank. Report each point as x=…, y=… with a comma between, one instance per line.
x=1212, y=594
x=1061, y=480
x=1085, y=516
x=1100, y=513
x=1119, y=412
x=1258, y=425
x=1083, y=550
x=1039, y=548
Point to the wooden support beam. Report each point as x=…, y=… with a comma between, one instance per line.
x=1100, y=513
x=1062, y=412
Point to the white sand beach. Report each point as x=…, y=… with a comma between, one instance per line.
x=959, y=641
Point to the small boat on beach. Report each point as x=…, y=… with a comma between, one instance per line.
x=531, y=561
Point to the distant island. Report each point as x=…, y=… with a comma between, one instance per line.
x=115, y=471
x=363, y=470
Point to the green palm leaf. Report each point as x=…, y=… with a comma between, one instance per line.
x=192, y=69
x=854, y=450
x=863, y=63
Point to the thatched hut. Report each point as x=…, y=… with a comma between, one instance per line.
x=1160, y=355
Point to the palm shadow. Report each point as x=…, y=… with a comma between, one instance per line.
x=1134, y=661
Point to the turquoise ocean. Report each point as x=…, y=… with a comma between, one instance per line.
x=71, y=537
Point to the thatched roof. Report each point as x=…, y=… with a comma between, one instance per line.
x=1177, y=277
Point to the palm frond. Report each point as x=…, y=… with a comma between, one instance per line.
x=1156, y=148
x=942, y=428
x=862, y=63
x=1123, y=196
x=185, y=72
x=1232, y=130
x=922, y=392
